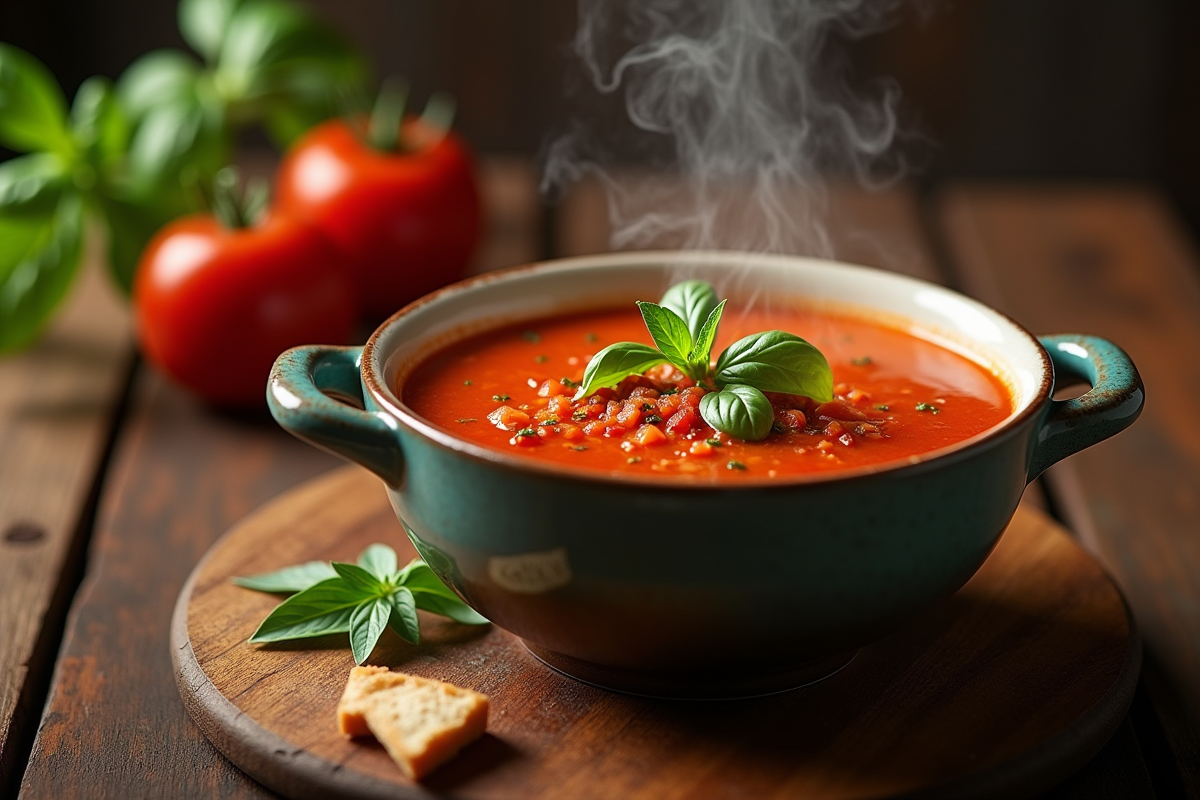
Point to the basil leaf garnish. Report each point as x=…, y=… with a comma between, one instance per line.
x=701, y=352
x=366, y=625
x=615, y=362
x=740, y=411
x=431, y=594
x=359, y=599
x=289, y=579
x=692, y=301
x=358, y=578
x=776, y=361
x=403, y=618
x=669, y=332
x=379, y=560
x=320, y=609
x=418, y=577
x=453, y=608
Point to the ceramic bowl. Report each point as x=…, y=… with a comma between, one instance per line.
x=659, y=587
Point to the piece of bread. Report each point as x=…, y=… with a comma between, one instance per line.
x=422, y=722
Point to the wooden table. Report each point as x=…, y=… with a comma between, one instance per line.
x=114, y=482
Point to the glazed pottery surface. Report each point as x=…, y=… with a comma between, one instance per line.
x=661, y=577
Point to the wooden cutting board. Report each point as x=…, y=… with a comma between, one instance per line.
x=1002, y=690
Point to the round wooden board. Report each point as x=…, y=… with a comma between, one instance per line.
x=1002, y=690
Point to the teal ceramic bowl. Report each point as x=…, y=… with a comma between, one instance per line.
x=661, y=587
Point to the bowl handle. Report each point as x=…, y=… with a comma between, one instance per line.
x=1109, y=407
x=302, y=392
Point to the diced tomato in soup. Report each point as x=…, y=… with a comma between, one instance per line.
x=897, y=395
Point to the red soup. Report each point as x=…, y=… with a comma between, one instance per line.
x=896, y=396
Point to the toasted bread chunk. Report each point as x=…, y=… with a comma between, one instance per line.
x=423, y=723
x=363, y=682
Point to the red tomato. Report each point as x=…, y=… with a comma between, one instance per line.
x=214, y=306
x=407, y=222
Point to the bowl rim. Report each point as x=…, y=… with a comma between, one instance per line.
x=371, y=362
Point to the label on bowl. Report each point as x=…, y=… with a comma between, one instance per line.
x=531, y=573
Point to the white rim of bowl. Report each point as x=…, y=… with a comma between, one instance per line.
x=934, y=459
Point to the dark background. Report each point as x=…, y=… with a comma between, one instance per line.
x=1075, y=89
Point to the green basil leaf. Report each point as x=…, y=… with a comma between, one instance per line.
x=669, y=332
x=21, y=235
x=204, y=23
x=358, y=578
x=379, y=560
x=323, y=608
x=403, y=619
x=615, y=362
x=33, y=283
x=740, y=411
x=159, y=77
x=31, y=185
x=130, y=227
x=433, y=595
x=33, y=110
x=31, y=188
x=693, y=301
x=701, y=353
x=99, y=124
x=261, y=33
x=289, y=579
x=453, y=608
x=776, y=361
x=166, y=139
x=366, y=625
x=418, y=577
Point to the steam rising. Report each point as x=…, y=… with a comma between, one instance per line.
x=747, y=105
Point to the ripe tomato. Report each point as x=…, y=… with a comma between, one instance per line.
x=214, y=305
x=406, y=221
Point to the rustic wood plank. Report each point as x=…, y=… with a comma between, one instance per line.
x=180, y=476
x=58, y=402
x=1113, y=261
x=113, y=723
x=1035, y=667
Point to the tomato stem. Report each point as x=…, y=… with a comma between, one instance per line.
x=439, y=114
x=383, y=128
x=236, y=212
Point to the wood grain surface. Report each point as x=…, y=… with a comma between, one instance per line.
x=1114, y=262
x=58, y=402
x=1001, y=691
x=179, y=476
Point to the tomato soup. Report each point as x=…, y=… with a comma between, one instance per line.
x=896, y=396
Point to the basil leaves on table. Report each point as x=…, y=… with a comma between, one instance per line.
x=683, y=326
x=134, y=155
x=359, y=599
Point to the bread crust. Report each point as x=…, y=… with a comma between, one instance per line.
x=420, y=721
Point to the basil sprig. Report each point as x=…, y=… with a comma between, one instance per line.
x=683, y=326
x=359, y=599
x=741, y=411
x=134, y=155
